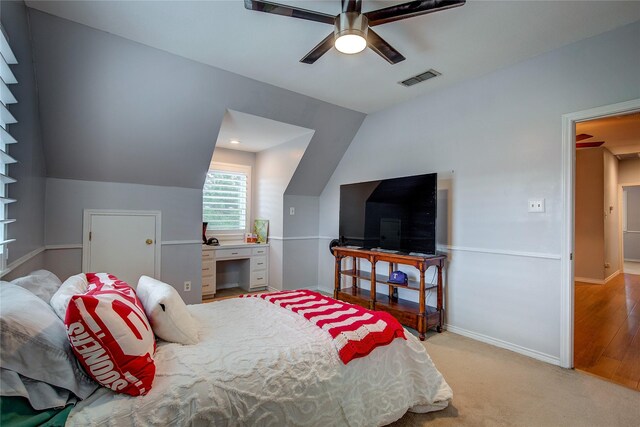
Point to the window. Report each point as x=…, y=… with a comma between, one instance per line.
x=226, y=198
x=6, y=118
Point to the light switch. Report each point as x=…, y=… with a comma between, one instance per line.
x=292, y=211
x=536, y=205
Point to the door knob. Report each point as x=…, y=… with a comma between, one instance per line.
x=149, y=241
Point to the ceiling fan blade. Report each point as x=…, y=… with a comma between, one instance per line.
x=409, y=10
x=583, y=136
x=284, y=10
x=351, y=6
x=589, y=144
x=320, y=49
x=382, y=48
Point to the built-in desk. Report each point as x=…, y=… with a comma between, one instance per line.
x=244, y=264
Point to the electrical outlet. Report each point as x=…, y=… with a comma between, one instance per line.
x=536, y=205
x=187, y=286
x=292, y=211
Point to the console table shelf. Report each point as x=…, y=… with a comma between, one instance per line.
x=419, y=316
x=380, y=278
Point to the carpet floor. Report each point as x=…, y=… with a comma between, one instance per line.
x=496, y=387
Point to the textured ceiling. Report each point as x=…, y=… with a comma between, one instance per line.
x=461, y=43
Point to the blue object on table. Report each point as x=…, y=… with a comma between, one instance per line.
x=398, y=277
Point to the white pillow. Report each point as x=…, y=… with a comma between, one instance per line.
x=167, y=312
x=74, y=285
x=41, y=283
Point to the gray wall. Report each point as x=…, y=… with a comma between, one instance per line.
x=117, y=111
x=300, y=242
x=181, y=210
x=502, y=135
x=29, y=191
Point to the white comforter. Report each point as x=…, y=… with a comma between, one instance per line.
x=260, y=365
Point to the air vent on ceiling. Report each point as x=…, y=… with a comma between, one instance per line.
x=628, y=156
x=422, y=77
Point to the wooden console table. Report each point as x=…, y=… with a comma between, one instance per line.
x=414, y=315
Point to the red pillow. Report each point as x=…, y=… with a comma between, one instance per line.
x=111, y=336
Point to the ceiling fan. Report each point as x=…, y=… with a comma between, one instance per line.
x=589, y=144
x=352, y=28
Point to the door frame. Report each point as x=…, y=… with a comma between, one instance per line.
x=568, y=221
x=86, y=251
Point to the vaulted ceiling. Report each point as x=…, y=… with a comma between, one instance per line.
x=461, y=43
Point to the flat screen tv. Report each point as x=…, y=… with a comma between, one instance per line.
x=396, y=214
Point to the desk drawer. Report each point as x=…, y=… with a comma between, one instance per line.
x=207, y=255
x=258, y=279
x=258, y=263
x=207, y=269
x=260, y=251
x=207, y=285
x=233, y=253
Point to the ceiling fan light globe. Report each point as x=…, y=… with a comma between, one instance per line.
x=350, y=43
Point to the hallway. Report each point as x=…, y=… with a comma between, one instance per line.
x=607, y=329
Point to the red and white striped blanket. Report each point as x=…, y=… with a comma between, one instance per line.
x=356, y=331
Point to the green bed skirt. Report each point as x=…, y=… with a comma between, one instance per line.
x=16, y=412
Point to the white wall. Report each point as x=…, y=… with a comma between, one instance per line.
x=274, y=169
x=631, y=237
x=501, y=134
x=611, y=215
x=589, y=249
x=629, y=172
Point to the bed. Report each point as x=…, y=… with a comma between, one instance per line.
x=259, y=364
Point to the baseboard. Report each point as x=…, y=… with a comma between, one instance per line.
x=611, y=276
x=632, y=260
x=506, y=345
x=588, y=280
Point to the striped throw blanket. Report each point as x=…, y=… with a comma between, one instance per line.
x=356, y=331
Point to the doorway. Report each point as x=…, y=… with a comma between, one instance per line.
x=630, y=230
x=567, y=243
x=606, y=297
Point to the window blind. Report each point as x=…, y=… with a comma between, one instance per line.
x=225, y=200
x=7, y=78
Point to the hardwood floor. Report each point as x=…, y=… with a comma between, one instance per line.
x=607, y=329
x=230, y=293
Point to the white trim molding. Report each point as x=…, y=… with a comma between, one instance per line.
x=611, y=276
x=568, y=205
x=504, y=344
x=294, y=238
x=65, y=246
x=589, y=280
x=500, y=252
x=17, y=263
x=181, y=242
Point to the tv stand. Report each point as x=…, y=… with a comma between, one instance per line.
x=419, y=315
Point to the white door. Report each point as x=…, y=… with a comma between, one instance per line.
x=125, y=244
